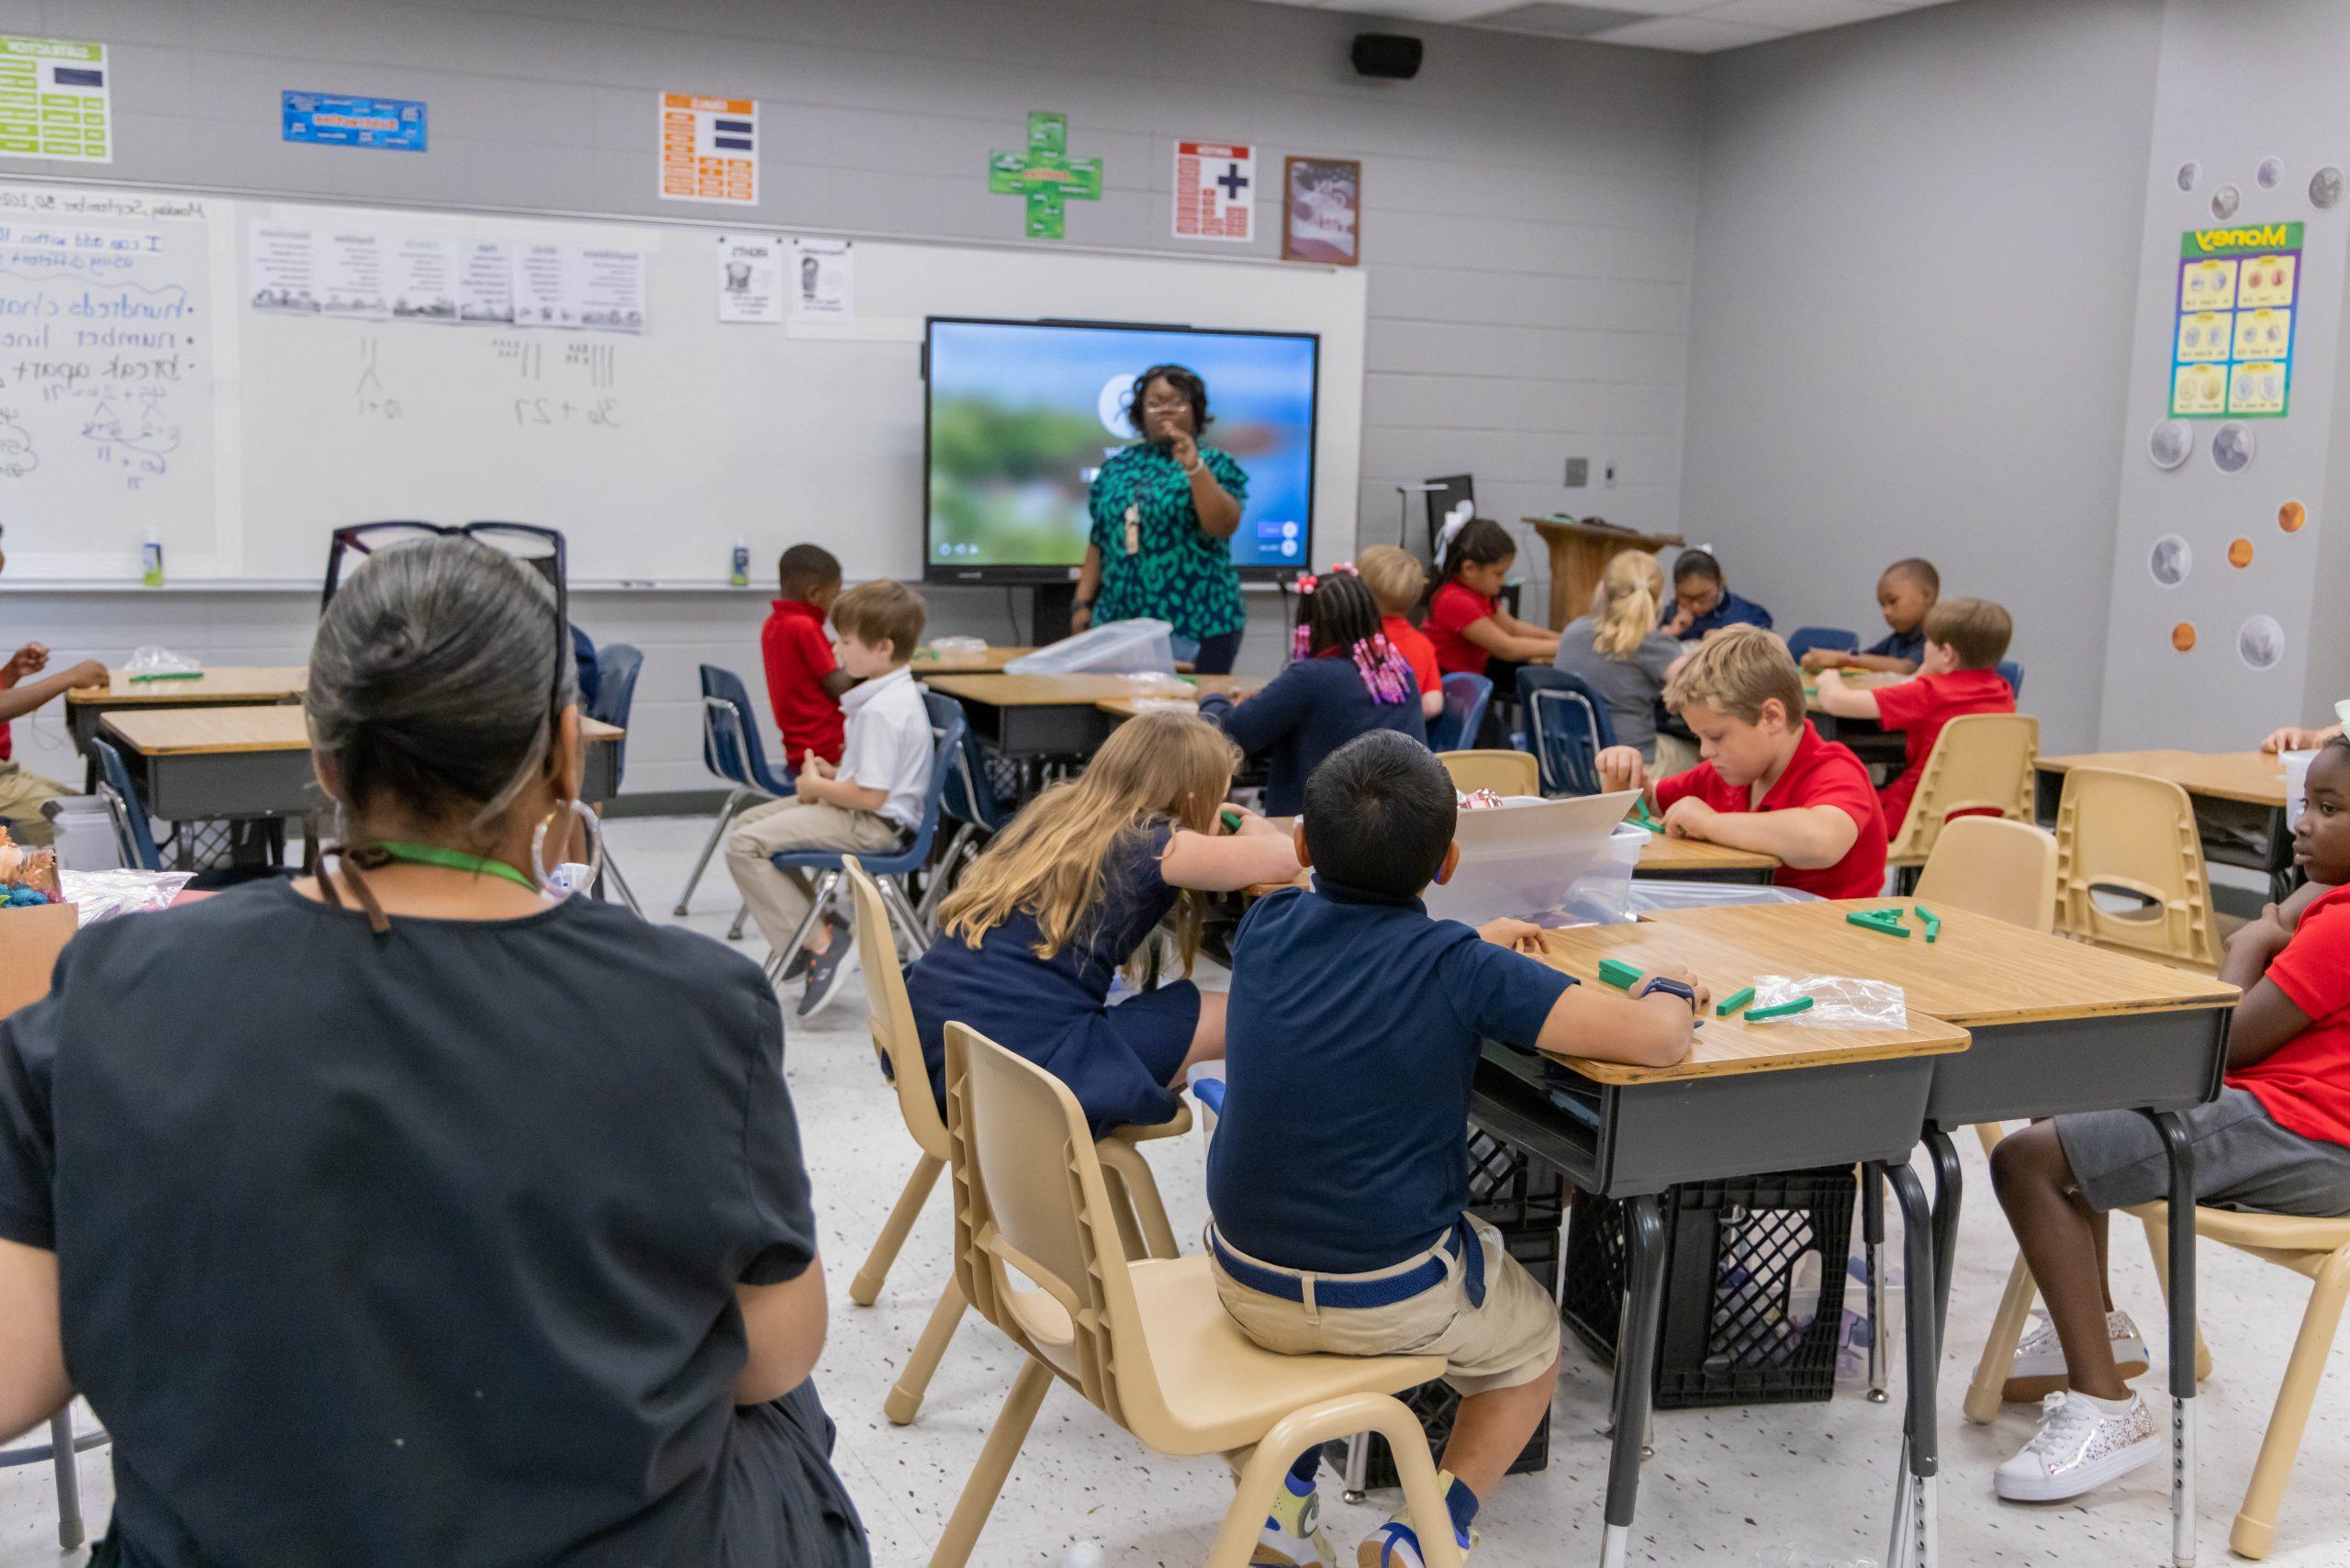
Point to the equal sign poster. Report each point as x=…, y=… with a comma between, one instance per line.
x=1215, y=191
x=710, y=149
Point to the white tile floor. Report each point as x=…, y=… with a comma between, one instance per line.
x=1803, y=1487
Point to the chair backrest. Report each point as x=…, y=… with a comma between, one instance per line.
x=970, y=791
x=1803, y=639
x=730, y=734
x=618, y=666
x=1442, y=495
x=2135, y=836
x=948, y=728
x=1502, y=772
x=1980, y=762
x=1567, y=727
x=1465, y=695
x=1029, y=1196
x=1993, y=867
x=889, y=1013
x=2012, y=673
x=131, y=828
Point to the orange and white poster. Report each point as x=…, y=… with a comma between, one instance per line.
x=1215, y=191
x=710, y=149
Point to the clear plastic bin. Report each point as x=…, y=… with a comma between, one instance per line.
x=1123, y=647
x=1540, y=860
x=1645, y=896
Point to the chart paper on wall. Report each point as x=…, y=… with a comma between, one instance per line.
x=710, y=149
x=1215, y=191
x=750, y=278
x=55, y=100
x=823, y=286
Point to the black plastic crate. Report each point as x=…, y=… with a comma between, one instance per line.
x=1731, y=1252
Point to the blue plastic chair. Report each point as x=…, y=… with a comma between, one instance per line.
x=890, y=871
x=619, y=666
x=1567, y=727
x=977, y=810
x=132, y=830
x=1803, y=639
x=2012, y=673
x=1465, y=697
x=731, y=749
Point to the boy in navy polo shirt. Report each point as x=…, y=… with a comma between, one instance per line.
x=1905, y=594
x=1341, y=1231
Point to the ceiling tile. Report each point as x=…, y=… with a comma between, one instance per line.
x=1695, y=35
x=1796, y=15
x=1558, y=18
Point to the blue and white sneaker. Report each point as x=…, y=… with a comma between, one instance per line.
x=1292, y=1536
x=827, y=972
x=1396, y=1544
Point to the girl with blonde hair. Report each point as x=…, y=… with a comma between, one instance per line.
x=1618, y=651
x=1064, y=897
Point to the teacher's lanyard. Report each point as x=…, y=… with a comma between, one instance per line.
x=1133, y=530
x=454, y=860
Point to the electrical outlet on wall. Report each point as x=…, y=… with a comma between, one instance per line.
x=1609, y=471
x=1578, y=471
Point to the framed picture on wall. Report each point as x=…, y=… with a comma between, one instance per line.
x=1322, y=211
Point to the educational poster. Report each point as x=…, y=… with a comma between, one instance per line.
x=334, y=119
x=1046, y=176
x=2231, y=344
x=710, y=149
x=611, y=290
x=422, y=280
x=546, y=286
x=823, y=280
x=351, y=275
x=1322, y=211
x=484, y=284
x=282, y=270
x=54, y=100
x=1215, y=191
x=750, y=278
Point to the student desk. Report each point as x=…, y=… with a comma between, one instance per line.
x=231, y=686
x=1029, y=716
x=1871, y=740
x=1748, y=1098
x=1121, y=709
x=1695, y=860
x=2058, y=1027
x=2238, y=796
x=190, y=763
x=927, y=662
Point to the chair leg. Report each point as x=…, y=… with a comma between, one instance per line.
x=818, y=907
x=928, y=909
x=904, y=1399
x=980, y=1493
x=742, y=918
x=904, y=916
x=1317, y=1424
x=725, y=818
x=1142, y=1196
x=67, y=1462
x=2158, y=1243
x=866, y=1286
x=628, y=894
x=2255, y=1524
x=1984, y=1395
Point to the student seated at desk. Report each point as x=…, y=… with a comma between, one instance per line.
x=1341, y=1160
x=1345, y=681
x=1905, y=594
x=1768, y=782
x=2277, y=1138
x=1396, y=580
x=1618, y=652
x=1030, y=939
x=1965, y=640
x=805, y=683
x=1702, y=602
x=411, y=1213
x=1466, y=621
x=22, y=794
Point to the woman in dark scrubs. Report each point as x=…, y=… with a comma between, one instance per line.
x=409, y=1212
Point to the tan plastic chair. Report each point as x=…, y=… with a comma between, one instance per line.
x=1992, y=867
x=1141, y=1214
x=1502, y=772
x=2129, y=831
x=1980, y=762
x=2319, y=1248
x=1147, y=1343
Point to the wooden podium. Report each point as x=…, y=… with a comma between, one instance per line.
x=1579, y=554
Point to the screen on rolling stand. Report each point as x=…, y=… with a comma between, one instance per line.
x=1022, y=414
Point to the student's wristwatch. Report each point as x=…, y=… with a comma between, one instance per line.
x=1670, y=987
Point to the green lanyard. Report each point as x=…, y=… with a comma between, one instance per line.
x=455, y=859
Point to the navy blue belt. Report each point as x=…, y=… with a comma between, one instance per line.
x=1356, y=1294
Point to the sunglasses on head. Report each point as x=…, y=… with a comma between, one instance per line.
x=540, y=549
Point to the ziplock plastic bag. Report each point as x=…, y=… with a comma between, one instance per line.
x=102, y=895
x=154, y=664
x=1836, y=1001
x=945, y=646
x=1649, y=895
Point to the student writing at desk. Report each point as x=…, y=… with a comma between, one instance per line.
x=24, y=687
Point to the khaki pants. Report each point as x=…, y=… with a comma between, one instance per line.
x=1673, y=755
x=780, y=899
x=21, y=797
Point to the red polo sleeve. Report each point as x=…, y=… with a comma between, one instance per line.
x=1905, y=702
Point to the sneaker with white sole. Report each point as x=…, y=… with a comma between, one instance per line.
x=2039, y=1368
x=2080, y=1446
x=827, y=972
x=1396, y=1544
x=1292, y=1536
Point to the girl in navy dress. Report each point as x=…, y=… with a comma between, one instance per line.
x=1063, y=897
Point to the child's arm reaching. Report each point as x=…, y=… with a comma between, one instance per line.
x=1506, y=637
x=1606, y=1025
x=17, y=701
x=1842, y=700
x=1255, y=854
x=1806, y=837
x=1622, y=768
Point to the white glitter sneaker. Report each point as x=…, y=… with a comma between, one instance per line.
x=2078, y=1447
x=2039, y=1368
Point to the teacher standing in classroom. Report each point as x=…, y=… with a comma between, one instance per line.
x=1164, y=512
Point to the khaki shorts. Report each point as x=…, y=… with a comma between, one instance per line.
x=22, y=795
x=1513, y=1338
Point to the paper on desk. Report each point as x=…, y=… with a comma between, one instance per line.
x=1837, y=1002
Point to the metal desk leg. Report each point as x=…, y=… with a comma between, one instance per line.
x=1916, y=1517
x=1950, y=1189
x=1872, y=1234
x=1635, y=1370
x=2171, y=1129
x=67, y=1460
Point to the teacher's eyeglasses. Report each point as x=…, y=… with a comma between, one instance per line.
x=540, y=549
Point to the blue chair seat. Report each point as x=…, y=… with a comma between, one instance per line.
x=1465, y=695
x=1803, y=639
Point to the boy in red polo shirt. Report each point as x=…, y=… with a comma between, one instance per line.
x=1965, y=640
x=804, y=685
x=1768, y=782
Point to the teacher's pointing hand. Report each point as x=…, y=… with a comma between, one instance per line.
x=1183, y=449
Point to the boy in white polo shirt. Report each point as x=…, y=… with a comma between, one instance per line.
x=868, y=804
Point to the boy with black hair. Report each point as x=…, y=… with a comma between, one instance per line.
x=804, y=684
x=1344, y=1231
x=1906, y=595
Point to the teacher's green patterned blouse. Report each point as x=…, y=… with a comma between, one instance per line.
x=1178, y=572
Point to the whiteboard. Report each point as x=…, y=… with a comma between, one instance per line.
x=655, y=452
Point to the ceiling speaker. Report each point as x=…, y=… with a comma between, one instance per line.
x=1390, y=55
